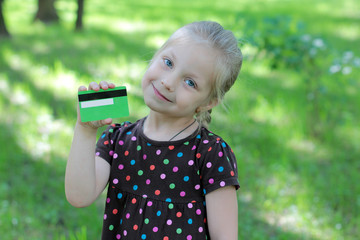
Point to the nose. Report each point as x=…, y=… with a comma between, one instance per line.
x=169, y=84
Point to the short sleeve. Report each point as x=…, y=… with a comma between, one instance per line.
x=106, y=144
x=219, y=167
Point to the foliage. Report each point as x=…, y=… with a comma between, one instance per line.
x=292, y=119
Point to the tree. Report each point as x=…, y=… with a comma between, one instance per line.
x=3, y=30
x=46, y=11
x=80, y=11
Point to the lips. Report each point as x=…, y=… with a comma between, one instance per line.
x=159, y=95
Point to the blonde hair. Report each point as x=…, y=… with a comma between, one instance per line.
x=228, y=62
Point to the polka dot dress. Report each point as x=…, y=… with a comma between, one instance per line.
x=157, y=189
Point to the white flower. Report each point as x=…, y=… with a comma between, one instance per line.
x=306, y=38
x=319, y=43
x=335, y=68
x=346, y=70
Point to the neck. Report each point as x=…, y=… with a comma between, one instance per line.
x=163, y=128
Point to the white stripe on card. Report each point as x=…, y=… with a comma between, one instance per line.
x=97, y=103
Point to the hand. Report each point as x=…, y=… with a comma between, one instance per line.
x=96, y=87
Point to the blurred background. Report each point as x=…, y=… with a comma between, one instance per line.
x=292, y=118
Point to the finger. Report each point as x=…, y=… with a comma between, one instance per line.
x=82, y=88
x=104, y=85
x=107, y=121
x=111, y=85
x=94, y=86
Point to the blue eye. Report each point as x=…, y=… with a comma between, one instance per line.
x=168, y=62
x=190, y=83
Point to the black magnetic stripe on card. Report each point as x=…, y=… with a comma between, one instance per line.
x=102, y=95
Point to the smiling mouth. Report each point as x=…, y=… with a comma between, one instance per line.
x=159, y=95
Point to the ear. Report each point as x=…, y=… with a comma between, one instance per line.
x=208, y=106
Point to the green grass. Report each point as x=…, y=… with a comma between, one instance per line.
x=294, y=184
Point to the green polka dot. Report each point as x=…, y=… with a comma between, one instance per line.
x=111, y=130
x=146, y=221
x=179, y=231
x=172, y=185
x=171, y=206
x=111, y=227
x=140, y=172
x=138, y=148
x=166, y=161
x=186, y=143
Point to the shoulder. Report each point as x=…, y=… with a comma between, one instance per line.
x=208, y=138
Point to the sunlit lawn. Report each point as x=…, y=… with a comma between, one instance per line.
x=294, y=184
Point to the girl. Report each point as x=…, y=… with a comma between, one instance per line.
x=169, y=176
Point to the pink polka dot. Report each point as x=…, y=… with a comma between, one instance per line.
x=111, y=153
x=133, y=138
x=105, y=216
x=149, y=203
x=125, y=232
x=197, y=187
x=163, y=176
x=188, y=237
x=211, y=180
x=182, y=194
x=121, y=167
x=193, y=148
x=108, y=200
x=175, y=169
x=222, y=184
x=121, y=142
x=169, y=222
x=140, y=211
x=198, y=211
x=208, y=165
x=127, y=216
x=201, y=229
x=206, y=141
x=115, y=155
x=190, y=205
x=158, y=152
x=97, y=153
x=115, y=181
x=155, y=229
x=144, y=156
x=148, y=181
x=191, y=162
x=118, y=236
x=221, y=154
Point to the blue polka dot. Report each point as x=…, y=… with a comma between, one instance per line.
x=120, y=221
x=204, y=191
x=132, y=162
x=103, y=135
x=128, y=133
x=190, y=221
x=168, y=200
x=223, y=144
x=135, y=187
x=180, y=154
x=198, y=136
x=143, y=236
x=221, y=169
x=186, y=178
x=158, y=213
x=148, y=144
x=119, y=196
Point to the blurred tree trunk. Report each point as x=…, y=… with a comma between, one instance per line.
x=3, y=30
x=46, y=11
x=80, y=11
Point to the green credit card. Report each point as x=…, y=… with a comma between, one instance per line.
x=102, y=104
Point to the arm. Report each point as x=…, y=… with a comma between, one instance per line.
x=222, y=213
x=86, y=175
